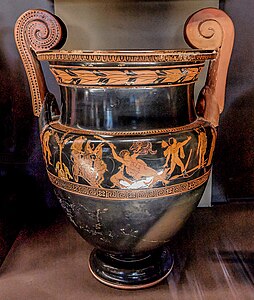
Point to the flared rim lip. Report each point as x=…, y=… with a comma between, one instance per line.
x=128, y=55
x=130, y=51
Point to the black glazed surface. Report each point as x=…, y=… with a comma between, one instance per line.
x=127, y=108
x=129, y=159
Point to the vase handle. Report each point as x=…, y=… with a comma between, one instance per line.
x=37, y=30
x=212, y=28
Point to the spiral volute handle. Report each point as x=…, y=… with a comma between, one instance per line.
x=212, y=28
x=37, y=30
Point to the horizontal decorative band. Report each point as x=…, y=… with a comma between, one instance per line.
x=125, y=77
x=158, y=56
x=64, y=128
x=115, y=194
x=120, y=67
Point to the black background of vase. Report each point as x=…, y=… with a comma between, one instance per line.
x=25, y=193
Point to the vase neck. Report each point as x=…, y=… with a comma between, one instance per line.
x=127, y=108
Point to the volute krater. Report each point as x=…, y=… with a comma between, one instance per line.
x=127, y=151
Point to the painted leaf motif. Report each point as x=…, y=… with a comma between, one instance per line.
x=125, y=77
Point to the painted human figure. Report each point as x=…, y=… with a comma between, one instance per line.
x=174, y=153
x=88, y=163
x=133, y=169
x=45, y=146
x=202, y=146
x=77, y=156
x=97, y=167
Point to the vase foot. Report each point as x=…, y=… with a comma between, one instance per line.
x=133, y=272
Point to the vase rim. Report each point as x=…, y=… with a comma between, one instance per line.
x=128, y=56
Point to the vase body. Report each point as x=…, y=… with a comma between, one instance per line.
x=129, y=162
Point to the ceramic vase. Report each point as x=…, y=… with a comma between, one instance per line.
x=127, y=147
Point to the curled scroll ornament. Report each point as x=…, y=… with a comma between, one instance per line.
x=210, y=28
x=37, y=30
x=206, y=34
